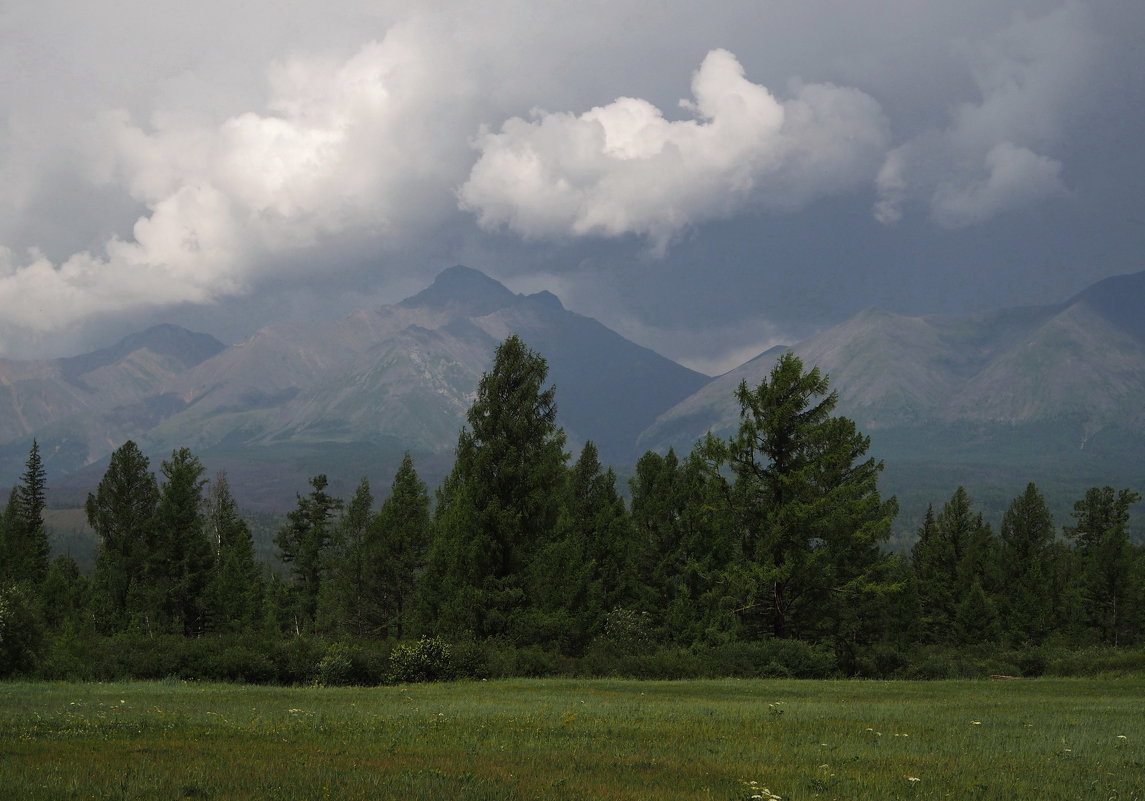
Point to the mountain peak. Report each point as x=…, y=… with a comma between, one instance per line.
x=465, y=288
x=1119, y=299
x=547, y=298
x=188, y=347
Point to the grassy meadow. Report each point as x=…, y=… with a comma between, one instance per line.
x=578, y=739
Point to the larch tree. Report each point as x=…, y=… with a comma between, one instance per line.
x=499, y=502
x=1101, y=537
x=396, y=545
x=807, y=508
x=181, y=557
x=234, y=592
x=122, y=514
x=304, y=544
x=1026, y=562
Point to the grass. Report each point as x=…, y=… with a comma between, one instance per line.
x=566, y=739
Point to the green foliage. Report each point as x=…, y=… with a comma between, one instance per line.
x=954, y=551
x=500, y=502
x=426, y=659
x=1106, y=562
x=233, y=596
x=21, y=630
x=304, y=544
x=1026, y=561
x=180, y=559
x=122, y=514
x=24, y=550
x=396, y=544
x=808, y=511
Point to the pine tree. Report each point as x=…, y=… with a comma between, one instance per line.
x=809, y=512
x=500, y=501
x=122, y=514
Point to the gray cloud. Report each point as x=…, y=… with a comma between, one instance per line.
x=153, y=160
x=989, y=158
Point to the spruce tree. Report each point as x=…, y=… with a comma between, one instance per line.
x=343, y=605
x=586, y=567
x=500, y=500
x=34, y=550
x=954, y=551
x=685, y=539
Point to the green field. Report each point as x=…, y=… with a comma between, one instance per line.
x=566, y=739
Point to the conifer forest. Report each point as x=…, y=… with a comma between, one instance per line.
x=764, y=554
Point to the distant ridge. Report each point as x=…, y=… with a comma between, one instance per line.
x=344, y=397
x=1053, y=394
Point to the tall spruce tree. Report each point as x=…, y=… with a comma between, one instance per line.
x=586, y=567
x=500, y=500
x=122, y=514
x=34, y=550
x=808, y=510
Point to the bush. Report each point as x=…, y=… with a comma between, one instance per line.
x=21, y=630
x=427, y=659
x=336, y=667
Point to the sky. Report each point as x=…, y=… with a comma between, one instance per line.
x=707, y=179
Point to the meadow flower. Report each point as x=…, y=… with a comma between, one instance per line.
x=913, y=779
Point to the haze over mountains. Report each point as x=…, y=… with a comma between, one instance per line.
x=1054, y=394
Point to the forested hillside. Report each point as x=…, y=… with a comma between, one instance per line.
x=763, y=553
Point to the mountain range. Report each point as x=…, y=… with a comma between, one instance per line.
x=346, y=397
x=1054, y=394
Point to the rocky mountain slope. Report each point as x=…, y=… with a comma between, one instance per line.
x=345, y=397
x=1052, y=394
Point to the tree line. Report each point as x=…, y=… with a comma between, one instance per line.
x=774, y=536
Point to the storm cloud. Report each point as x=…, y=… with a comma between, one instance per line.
x=153, y=163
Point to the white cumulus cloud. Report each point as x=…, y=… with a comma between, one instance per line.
x=624, y=168
x=342, y=146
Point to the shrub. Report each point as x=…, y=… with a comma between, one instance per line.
x=21, y=630
x=336, y=667
x=427, y=659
